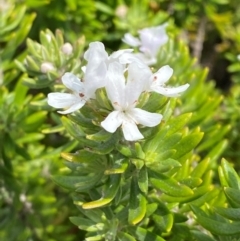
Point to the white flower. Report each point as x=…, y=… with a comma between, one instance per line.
x=124, y=97
x=157, y=83
x=99, y=60
x=70, y=102
x=149, y=42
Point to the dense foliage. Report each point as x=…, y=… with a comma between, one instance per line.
x=65, y=177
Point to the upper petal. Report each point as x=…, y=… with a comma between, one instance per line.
x=170, y=91
x=95, y=77
x=112, y=122
x=130, y=131
x=162, y=75
x=96, y=51
x=115, y=84
x=136, y=82
x=145, y=118
x=73, y=83
x=115, y=55
x=131, y=40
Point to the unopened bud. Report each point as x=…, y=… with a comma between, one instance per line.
x=121, y=11
x=67, y=48
x=46, y=67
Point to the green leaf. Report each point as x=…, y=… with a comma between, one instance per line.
x=143, y=179
x=118, y=166
x=229, y=213
x=38, y=83
x=169, y=142
x=177, y=123
x=137, y=203
x=102, y=135
x=163, y=165
x=139, y=152
x=187, y=144
x=20, y=93
x=122, y=236
x=170, y=186
x=72, y=128
x=214, y=226
x=145, y=235
x=191, y=182
x=164, y=222
x=197, y=192
x=86, y=224
x=125, y=150
x=105, y=8
x=201, y=200
x=233, y=195
x=201, y=168
x=83, y=121
x=79, y=183
x=34, y=121
x=200, y=236
x=230, y=174
x=214, y=138
x=111, y=191
x=82, y=156
x=217, y=150
x=30, y=138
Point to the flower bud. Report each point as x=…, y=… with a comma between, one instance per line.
x=67, y=48
x=46, y=67
x=121, y=11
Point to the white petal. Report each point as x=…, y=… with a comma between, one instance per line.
x=73, y=108
x=128, y=58
x=145, y=118
x=162, y=75
x=95, y=78
x=131, y=132
x=73, y=83
x=152, y=39
x=130, y=40
x=96, y=51
x=117, y=54
x=140, y=76
x=112, y=122
x=170, y=91
x=115, y=85
x=61, y=100
x=137, y=82
x=66, y=101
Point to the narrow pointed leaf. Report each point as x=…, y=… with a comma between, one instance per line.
x=137, y=205
x=214, y=226
x=108, y=196
x=229, y=213
x=170, y=186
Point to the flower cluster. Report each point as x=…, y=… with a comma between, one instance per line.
x=125, y=77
